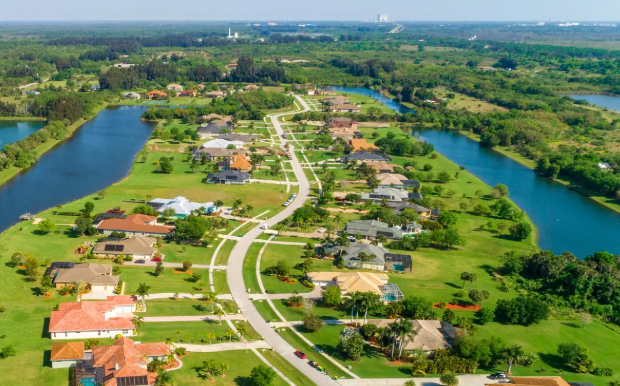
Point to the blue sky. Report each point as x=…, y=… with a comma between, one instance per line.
x=457, y=10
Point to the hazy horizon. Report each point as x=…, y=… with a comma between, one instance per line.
x=318, y=10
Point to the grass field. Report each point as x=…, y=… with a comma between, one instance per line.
x=286, y=368
x=170, y=280
x=241, y=364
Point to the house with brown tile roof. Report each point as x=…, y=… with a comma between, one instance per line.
x=215, y=94
x=337, y=100
x=344, y=108
x=188, y=93
x=66, y=354
x=135, y=225
x=139, y=247
x=381, y=166
x=350, y=282
x=98, y=278
x=251, y=87
x=430, y=335
x=175, y=87
x=123, y=363
x=343, y=122
x=98, y=319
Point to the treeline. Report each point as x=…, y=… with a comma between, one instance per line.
x=373, y=68
x=248, y=71
x=248, y=105
x=360, y=117
x=23, y=154
x=537, y=116
x=564, y=281
x=116, y=79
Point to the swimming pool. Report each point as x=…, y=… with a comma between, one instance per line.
x=389, y=297
x=88, y=382
x=398, y=267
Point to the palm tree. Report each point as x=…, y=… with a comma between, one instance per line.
x=465, y=277
x=230, y=334
x=408, y=333
x=164, y=378
x=209, y=367
x=472, y=278
x=370, y=300
x=343, y=241
x=514, y=355
x=189, y=337
x=211, y=297
x=484, y=295
x=143, y=292
x=242, y=330
x=138, y=322
x=449, y=379
x=249, y=208
x=210, y=336
x=223, y=368
x=201, y=337
x=168, y=341
x=219, y=313
x=338, y=218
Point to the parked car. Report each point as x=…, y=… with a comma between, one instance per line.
x=321, y=230
x=140, y=261
x=300, y=354
x=317, y=349
x=499, y=376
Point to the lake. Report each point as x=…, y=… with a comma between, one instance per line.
x=609, y=101
x=98, y=154
x=13, y=131
x=566, y=220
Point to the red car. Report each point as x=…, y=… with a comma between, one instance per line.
x=300, y=354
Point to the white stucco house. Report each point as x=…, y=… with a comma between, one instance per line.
x=181, y=206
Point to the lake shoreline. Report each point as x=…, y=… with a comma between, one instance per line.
x=530, y=164
x=8, y=174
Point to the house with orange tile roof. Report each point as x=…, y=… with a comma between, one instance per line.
x=98, y=319
x=240, y=163
x=156, y=94
x=66, y=354
x=135, y=225
x=361, y=144
x=122, y=363
x=188, y=93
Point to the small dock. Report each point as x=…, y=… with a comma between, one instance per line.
x=26, y=216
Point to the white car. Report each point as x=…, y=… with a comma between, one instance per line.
x=321, y=230
x=286, y=203
x=264, y=226
x=294, y=195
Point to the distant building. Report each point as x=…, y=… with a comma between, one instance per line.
x=175, y=87
x=131, y=95
x=134, y=225
x=430, y=335
x=382, y=18
x=156, y=95
x=605, y=167
x=362, y=156
x=215, y=94
x=188, y=93
x=344, y=108
x=139, y=247
x=98, y=278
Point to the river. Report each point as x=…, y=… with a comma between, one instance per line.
x=13, y=131
x=98, y=154
x=566, y=220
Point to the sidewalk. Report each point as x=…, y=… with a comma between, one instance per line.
x=259, y=344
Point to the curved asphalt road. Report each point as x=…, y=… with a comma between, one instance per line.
x=234, y=271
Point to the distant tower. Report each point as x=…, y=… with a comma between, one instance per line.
x=382, y=18
x=229, y=33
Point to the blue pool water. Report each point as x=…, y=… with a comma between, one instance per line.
x=398, y=267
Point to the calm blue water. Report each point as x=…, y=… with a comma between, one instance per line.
x=99, y=154
x=609, y=101
x=13, y=131
x=566, y=220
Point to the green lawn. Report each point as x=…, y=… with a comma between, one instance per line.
x=292, y=255
x=224, y=253
x=371, y=365
x=178, y=307
x=170, y=281
x=220, y=282
x=241, y=364
x=286, y=368
x=299, y=344
x=249, y=268
x=177, y=253
x=266, y=311
x=294, y=314
x=183, y=332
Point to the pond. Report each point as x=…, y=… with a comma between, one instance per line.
x=566, y=220
x=13, y=131
x=98, y=154
x=610, y=101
